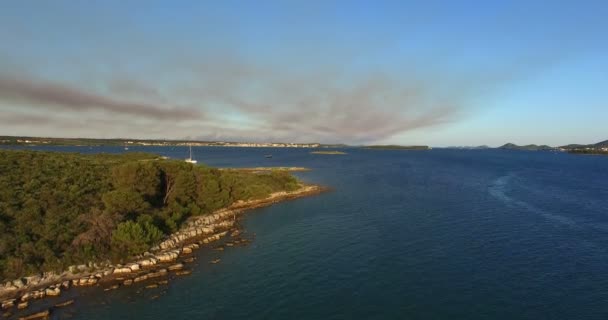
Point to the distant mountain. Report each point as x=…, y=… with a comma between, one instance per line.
x=529, y=147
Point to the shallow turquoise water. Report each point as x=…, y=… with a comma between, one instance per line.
x=479, y=234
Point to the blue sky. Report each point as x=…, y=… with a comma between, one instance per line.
x=426, y=72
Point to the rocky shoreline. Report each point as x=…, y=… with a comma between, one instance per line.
x=158, y=262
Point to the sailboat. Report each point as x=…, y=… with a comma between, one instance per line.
x=190, y=159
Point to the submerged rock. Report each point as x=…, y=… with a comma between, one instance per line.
x=53, y=292
x=113, y=287
x=7, y=304
x=38, y=315
x=64, y=304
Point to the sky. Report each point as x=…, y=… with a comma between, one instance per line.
x=440, y=73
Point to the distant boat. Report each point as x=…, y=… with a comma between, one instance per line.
x=268, y=156
x=191, y=159
x=126, y=148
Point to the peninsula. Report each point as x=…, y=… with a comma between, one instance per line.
x=70, y=219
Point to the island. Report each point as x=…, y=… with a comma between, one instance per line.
x=329, y=152
x=396, y=147
x=69, y=219
x=529, y=147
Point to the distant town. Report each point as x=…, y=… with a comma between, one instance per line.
x=9, y=140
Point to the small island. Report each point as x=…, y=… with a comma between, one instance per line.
x=396, y=147
x=334, y=152
x=69, y=219
x=529, y=147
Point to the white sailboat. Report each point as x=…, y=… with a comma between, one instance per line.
x=190, y=159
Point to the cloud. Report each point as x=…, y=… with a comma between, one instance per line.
x=324, y=105
x=54, y=95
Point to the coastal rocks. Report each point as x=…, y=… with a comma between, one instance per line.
x=134, y=267
x=7, y=304
x=36, y=294
x=168, y=256
x=159, y=273
x=65, y=284
x=86, y=281
x=32, y=280
x=197, y=231
x=215, y=237
x=119, y=270
x=52, y=291
x=39, y=315
x=18, y=283
x=190, y=248
x=149, y=262
x=22, y=305
x=175, y=267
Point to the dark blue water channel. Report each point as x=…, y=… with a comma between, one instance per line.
x=439, y=234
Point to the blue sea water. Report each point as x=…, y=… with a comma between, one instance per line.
x=439, y=234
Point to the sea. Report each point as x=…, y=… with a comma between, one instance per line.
x=436, y=234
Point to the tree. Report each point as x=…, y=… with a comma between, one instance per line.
x=134, y=238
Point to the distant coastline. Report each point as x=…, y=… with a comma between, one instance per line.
x=329, y=152
x=396, y=147
x=597, y=148
x=89, y=142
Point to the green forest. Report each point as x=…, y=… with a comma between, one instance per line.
x=61, y=209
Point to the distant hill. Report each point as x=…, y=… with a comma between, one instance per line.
x=603, y=144
x=599, y=145
x=529, y=147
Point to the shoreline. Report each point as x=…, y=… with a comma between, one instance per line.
x=263, y=169
x=160, y=261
